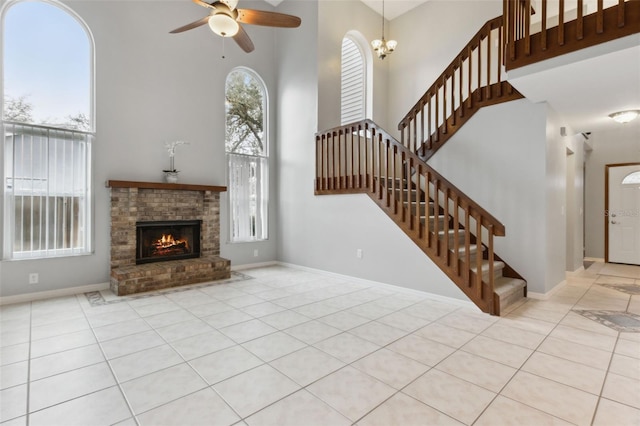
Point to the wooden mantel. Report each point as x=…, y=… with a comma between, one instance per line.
x=163, y=185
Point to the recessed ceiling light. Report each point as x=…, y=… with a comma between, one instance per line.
x=625, y=116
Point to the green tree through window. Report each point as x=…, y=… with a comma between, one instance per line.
x=247, y=155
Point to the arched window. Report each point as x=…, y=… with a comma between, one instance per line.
x=355, y=79
x=47, y=65
x=631, y=179
x=247, y=148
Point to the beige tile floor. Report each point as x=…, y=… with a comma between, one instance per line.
x=292, y=347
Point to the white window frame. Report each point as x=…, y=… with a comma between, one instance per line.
x=364, y=93
x=82, y=188
x=243, y=225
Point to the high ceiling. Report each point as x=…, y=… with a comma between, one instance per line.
x=583, y=87
x=392, y=8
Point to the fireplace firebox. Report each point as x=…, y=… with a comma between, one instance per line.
x=167, y=240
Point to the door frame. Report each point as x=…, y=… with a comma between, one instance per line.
x=606, y=204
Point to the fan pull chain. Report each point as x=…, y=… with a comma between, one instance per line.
x=223, y=57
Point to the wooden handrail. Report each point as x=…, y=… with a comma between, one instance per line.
x=532, y=40
x=363, y=158
x=475, y=75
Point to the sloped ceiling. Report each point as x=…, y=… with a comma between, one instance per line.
x=392, y=8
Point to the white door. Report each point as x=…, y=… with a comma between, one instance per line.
x=623, y=214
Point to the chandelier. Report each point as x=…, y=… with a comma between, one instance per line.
x=383, y=47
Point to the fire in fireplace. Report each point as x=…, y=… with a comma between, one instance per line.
x=167, y=240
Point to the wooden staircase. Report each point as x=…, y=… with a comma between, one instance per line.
x=451, y=229
x=454, y=231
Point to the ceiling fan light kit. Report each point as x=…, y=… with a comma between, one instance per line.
x=224, y=20
x=223, y=25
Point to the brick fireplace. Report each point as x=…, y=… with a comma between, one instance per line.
x=135, y=203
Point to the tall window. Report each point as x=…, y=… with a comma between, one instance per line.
x=47, y=130
x=247, y=155
x=353, y=83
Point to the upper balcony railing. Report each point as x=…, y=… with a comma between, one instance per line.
x=539, y=30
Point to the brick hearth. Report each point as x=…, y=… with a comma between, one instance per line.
x=132, y=202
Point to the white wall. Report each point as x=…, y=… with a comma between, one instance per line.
x=153, y=87
x=324, y=231
x=575, y=200
x=429, y=37
x=498, y=159
x=555, y=186
x=621, y=144
x=335, y=19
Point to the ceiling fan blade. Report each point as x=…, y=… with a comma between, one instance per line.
x=191, y=26
x=243, y=40
x=268, y=19
x=204, y=4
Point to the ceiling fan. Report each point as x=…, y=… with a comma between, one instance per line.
x=224, y=19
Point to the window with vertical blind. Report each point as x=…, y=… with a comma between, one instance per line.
x=47, y=131
x=247, y=150
x=353, y=83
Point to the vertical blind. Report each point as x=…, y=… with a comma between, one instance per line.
x=248, y=177
x=47, y=191
x=352, y=83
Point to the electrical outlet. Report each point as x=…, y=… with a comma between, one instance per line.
x=255, y=253
x=34, y=278
x=359, y=253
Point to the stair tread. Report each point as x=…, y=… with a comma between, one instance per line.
x=497, y=265
x=506, y=285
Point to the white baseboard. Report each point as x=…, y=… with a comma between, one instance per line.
x=253, y=265
x=576, y=272
x=50, y=294
x=437, y=297
x=547, y=295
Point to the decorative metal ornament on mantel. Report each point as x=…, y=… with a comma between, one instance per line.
x=383, y=47
x=171, y=174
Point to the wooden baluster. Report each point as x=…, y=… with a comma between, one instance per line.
x=490, y=229
x=621, y=13
x=418, y=198
x=372, y=145
x=394, y=175
x=415, y=132
x=444, y=104
x=600, y=17
x=367, y=156
x=527, y=28
x=460, y=81
x=479, y=256
x=352, y=172
x=509, y=6
x=339, y=163
x=422, y=127
x=447, y=241
x=489, y=65
x=543, y=29
x=436, y=211
x=410, y=195
x=330, y=161
x=479, y=71
x=436, y=130
x=453, y=97
x=388, y=178
x=580, y=21
x=470, y=73
x=561, y=23
x=403, y=184
x=430, y=139
x=381, y=158
x=427, y=198
x=467, y=243
x=456, y=235
x=500, y=59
